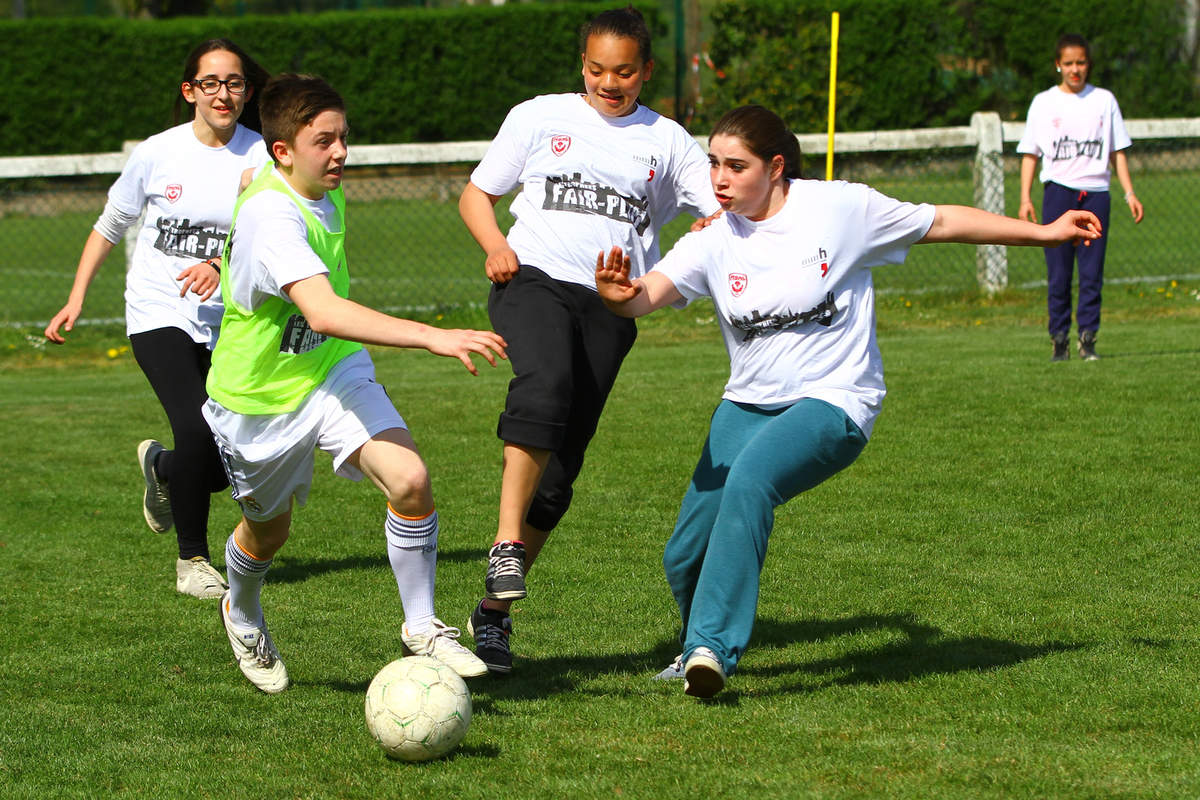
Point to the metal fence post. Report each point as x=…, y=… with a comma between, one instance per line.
x=991, y=261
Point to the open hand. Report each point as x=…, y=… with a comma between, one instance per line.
x=461, y=343
x=612, y=277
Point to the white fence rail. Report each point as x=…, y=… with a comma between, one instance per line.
x=986, y=135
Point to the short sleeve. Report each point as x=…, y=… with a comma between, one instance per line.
x=686, y=265
x=693, y=183
x=128, y=193
x=891, y=227
x=500, y=170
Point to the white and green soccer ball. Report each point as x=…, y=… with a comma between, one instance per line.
x=418, y=708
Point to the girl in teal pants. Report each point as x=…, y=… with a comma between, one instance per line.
x=787, y=266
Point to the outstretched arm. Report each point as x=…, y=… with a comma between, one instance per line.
x=628, y=298
x=331, y=315
x=973, y=226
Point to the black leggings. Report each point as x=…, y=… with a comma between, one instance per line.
x=177, y=367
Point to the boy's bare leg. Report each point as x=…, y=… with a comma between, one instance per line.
x=393, y=463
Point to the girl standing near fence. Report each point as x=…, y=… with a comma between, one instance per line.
x=597, y=169
x=185, y=180
x=788, y=268
x=1076, y=129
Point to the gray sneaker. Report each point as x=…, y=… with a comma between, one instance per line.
x=156, y=503
x=198, y=578
x=703, y=673
x=673, y=672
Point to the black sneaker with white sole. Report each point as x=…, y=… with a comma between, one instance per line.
x=505, y=579
x=491, y=630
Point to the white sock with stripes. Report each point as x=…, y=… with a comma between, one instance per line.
x=246, y=575
x=412, y=551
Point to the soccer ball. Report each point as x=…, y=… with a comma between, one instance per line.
x=418, y=708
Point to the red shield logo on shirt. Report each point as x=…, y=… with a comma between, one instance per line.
x=560, y=144
x=737, y=283
x=174, y=192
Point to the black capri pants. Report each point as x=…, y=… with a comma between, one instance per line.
x=565, y=348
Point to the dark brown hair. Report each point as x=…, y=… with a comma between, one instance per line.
x=626, y=23
x=1072, y=40
x=254, y=74
x=764, y=134
x=290, y=101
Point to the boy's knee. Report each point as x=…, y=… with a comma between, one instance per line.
x=408, y=489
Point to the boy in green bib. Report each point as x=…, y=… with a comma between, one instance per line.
x=289, y=374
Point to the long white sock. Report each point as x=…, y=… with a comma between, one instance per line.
x=412, y=551
x=246, y=575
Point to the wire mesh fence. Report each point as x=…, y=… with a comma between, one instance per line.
x=409, y=250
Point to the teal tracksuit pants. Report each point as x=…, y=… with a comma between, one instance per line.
x=753, y=460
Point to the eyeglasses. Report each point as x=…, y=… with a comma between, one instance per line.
x=211, y=86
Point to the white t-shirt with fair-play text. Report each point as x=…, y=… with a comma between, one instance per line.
x=188, y=191
x=1075, y=134
x=590, y=182
x=794, y=295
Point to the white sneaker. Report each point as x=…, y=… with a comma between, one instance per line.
x=703, y=674
x=255, y=653
x=197, y=577
x=156, y=503
x=674, y=670
x=442, y=643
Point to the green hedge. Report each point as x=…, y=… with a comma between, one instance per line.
x=928, y=63
x=86, y=85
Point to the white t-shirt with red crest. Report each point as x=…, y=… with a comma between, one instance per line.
x=187, y=190
x=590, y=181
x=794, y=294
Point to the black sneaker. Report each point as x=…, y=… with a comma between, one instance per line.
x=1062, y=350
x=491, y=630
x=506, y=572
x=1087, y=346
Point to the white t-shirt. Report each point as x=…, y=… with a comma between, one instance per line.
x=1075, y=134
x=794, y=295
x=187, y=190
x=591, y=182
x=264, y=263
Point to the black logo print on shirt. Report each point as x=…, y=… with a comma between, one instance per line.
x=179, y=237
x=1067, y=148
x=755, y=324
x=298, y=337
x=572, y=193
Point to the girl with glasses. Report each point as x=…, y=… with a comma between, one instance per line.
x=185, y=180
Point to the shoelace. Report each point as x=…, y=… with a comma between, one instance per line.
x=490, y=637
x=208, y=575
x=505, y=565
x=262, y=652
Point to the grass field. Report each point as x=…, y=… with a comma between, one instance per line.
x=997, y=600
